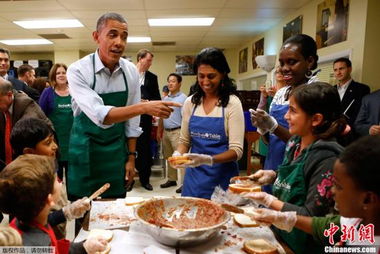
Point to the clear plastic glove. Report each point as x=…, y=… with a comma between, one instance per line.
x=176, y=153
x=282, y=220
x=263, y=121
x=262, y=198
x=197, y=160
x=77, y=209
x=264, y=176
x=95, y=245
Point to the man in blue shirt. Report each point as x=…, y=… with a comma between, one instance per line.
x=171, y=127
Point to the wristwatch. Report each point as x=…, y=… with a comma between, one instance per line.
x=132, y=153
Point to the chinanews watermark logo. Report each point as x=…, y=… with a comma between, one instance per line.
x=352, y=239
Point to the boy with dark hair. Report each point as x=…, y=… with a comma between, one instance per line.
x=28, y=190
x=34, y=136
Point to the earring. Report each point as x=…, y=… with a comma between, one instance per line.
x=308, y=74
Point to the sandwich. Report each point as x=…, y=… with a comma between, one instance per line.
x=246, y=186
x=106, y=234
x=259, y=246
x=179, y=160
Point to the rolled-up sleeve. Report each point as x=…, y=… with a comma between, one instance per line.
x=132, y=126
x=84, y=99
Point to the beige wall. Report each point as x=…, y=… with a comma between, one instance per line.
x=370, y=73
x=33, y=56
x=355, y=38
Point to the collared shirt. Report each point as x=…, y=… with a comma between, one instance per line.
x=141, y=78
x=174, y=121
x=80, y=76
x=342, y=88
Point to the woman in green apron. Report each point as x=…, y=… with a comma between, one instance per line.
x=55, y=101
x=304, y=179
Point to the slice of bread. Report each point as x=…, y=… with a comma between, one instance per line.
x=243, y=220
x=106, y=234
x=178, y=160
x=259, y=246
x=239, y=188
x=133, y=200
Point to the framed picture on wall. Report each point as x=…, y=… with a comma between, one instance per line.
x=243, y=60
x=332, y=22
x=292, y=28
x=257, y=50
x=184, y=65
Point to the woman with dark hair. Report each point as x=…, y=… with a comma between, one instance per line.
x=303, y=181
x=55, y=101
x=298, y=57
x=212, y=127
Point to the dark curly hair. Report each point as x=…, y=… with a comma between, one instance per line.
x=216, y=59
x=361, y=159
x=320, y=97
x=308, y=46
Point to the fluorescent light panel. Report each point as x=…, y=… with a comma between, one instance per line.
x=134, y=39
x=26, y=42
x=181, y=22
x=48, y=23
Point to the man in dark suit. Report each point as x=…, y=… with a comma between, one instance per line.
x=17, y=84
x=149, y=91
x=350, y=91
x=368, y=120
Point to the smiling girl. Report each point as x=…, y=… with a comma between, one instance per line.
x=304, y=180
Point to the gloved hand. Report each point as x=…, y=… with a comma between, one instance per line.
x=262, y=198
x=176, y=153
x=95, y=245
x=197, y=160
x=264, y=176
x=282, y=220
x=77, y=209
x=263, y=121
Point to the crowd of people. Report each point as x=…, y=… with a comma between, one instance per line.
x=91, y=123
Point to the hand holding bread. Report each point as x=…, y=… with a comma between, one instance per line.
x=262, y=198
x=282, y=220
x=263, y=177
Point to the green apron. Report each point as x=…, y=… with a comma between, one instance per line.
x=290, y=187
x=96, y=155
x=62, y=119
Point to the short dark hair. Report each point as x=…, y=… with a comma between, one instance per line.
x=344, y=60
x=216, y=59
x=23, y=69
x=362, y=159
x=165, y=89
x=5, y=51
x=102, y=20
x=27, y=133
x=142, y=54
x=322, y=98
x=179, y=77
x=308, y=46
x=5, y=86
x=25, y=184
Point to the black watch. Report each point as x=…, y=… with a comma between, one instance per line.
x=132, y=153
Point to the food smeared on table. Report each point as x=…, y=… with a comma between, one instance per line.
x=193, y=214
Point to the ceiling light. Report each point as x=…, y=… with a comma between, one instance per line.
x=181, y=22
x=133, y=39
x=48, y=23
x=26, y=42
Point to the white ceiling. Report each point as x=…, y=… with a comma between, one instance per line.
x=236, y=21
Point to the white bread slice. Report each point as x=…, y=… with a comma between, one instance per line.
x=243, y=220
x=259, y=246
x=134, y=200
x=106, y=234
x=239, y=188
